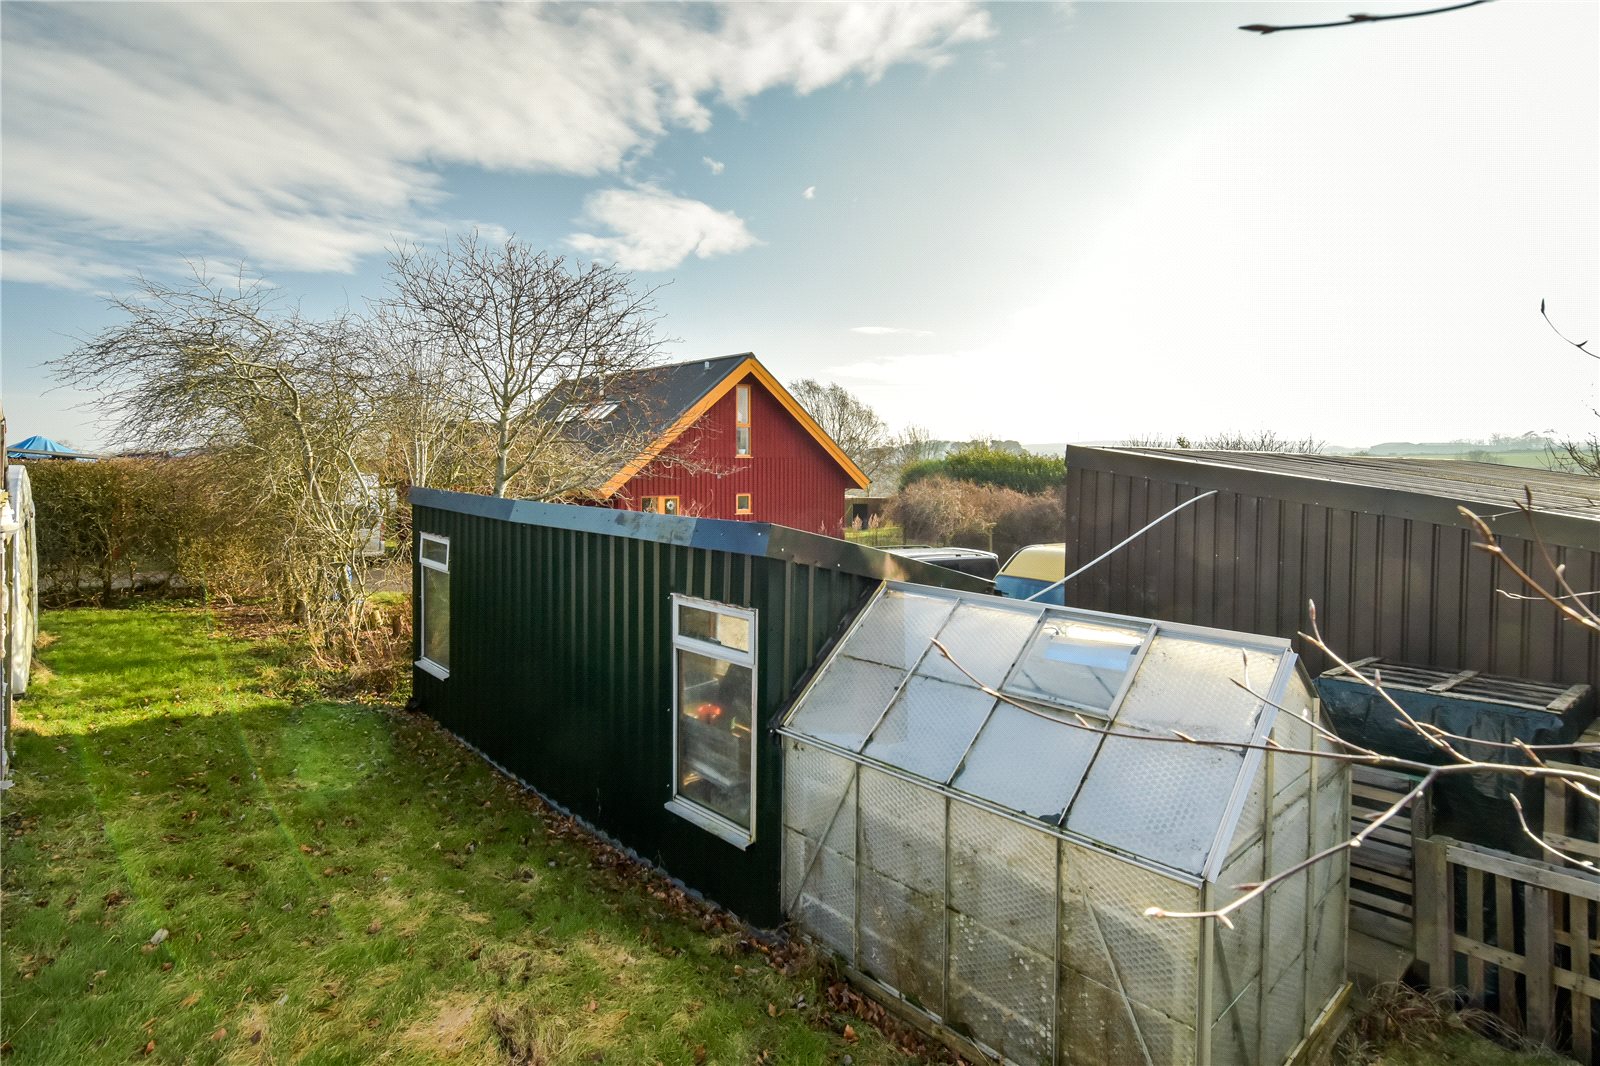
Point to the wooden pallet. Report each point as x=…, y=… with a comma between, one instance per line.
x=1516, y=935
x=1382, y=903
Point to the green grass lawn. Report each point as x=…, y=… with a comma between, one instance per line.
x=885, y=534
x=197, y=871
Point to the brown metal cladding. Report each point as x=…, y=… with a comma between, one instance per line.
x=1383, y=552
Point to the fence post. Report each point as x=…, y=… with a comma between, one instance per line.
x=1432, y=898
x=1539, y=949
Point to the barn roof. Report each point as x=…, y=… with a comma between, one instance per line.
x=1485, y=484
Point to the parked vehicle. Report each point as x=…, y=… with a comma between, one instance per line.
x=974, y=561
x=1032, y=568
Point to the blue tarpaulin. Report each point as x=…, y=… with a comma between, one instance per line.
x=37, y=447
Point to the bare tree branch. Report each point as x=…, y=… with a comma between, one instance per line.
x=1582, y=346
x=1355, y=20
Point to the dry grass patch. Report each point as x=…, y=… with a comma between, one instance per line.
x=451, y=1030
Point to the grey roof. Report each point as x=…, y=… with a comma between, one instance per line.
x=649, y=400
x=1455, y=480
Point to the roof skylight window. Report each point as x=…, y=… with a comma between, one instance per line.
x=1076, y=665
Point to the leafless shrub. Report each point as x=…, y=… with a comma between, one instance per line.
x=273, y=412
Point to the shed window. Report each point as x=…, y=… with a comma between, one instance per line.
x=742, y=419
x=433, y=555
x=714, y=753
x=741, y=503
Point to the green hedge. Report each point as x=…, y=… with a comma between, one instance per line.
x=1022, y=472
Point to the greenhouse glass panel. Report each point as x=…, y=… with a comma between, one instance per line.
x=1077, y=665
x=895, y=630
x=1192, y=686
x=929, y=726
x=848, y=700
x=984, y=640
x=1026, y=763
x=1160, y=800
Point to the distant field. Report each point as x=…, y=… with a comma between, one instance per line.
x=1531, y=460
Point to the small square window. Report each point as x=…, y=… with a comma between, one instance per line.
x=741, y=503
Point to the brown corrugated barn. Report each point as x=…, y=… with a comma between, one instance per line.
x=1377, y=543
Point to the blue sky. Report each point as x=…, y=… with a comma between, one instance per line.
x=1046, y=222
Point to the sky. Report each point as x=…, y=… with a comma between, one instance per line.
x=1043, y=222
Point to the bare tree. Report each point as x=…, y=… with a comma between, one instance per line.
x=271, y=406
x=850, y=421
x=1233, y=440
x=429, y=436
x=542, y=346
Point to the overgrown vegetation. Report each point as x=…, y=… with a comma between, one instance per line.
x=121, y=525
x=200, y=871
x=982, y=465
x=1403, y=1026
x=942, y=510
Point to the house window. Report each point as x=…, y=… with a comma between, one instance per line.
x=713, y=720
x=659, y=504
x=741, y=503
x=742, y=419
x=433, y=555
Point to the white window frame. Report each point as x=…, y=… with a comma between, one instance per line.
x=683, y=806
x=424, y=663
x=741, y=399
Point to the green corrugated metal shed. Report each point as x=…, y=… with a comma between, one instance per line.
x=561, y=649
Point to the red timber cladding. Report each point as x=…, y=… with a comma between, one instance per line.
x=791, y=479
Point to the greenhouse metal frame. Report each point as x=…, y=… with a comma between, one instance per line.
x=989, y=861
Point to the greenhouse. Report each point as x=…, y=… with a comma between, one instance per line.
x=979, y=831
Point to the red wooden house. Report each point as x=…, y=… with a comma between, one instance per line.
x=728, y=441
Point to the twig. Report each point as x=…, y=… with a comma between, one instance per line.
x=1580, y=345
x=1491, y=544
x=1544, y=844
x=1252, y=890
x=1353, y=20
x=1315, y=639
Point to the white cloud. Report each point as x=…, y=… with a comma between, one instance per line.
x=307, y=137
x=655, y=230
x=891, y=331
x=810, y=192
x=713, y=165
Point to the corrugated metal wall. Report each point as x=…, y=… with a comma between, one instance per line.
x=791, y=479
x=1392, y=573
x=561, y=672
